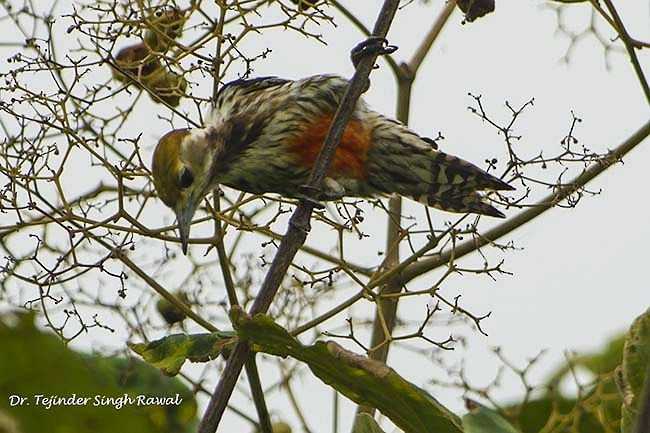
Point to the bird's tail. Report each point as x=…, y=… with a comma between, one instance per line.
x=402, y=162
x=454, y=185
x=465, y=202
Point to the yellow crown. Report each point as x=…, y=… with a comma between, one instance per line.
x=166, y=166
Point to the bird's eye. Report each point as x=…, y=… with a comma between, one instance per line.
x=185, y=179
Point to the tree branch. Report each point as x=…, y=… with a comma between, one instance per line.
x=410, y=269
x=430, y=38
x=386, y=312
x=629, y=46
x=298, y=224
x=252, y=372
x=416, y=269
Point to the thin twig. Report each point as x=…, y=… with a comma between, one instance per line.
x=252, y=372
x=416, y=269
x=430, y=38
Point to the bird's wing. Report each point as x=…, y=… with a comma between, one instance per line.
x=239, y=95
x=275, y=109
x=245, y=86
x=322, y=92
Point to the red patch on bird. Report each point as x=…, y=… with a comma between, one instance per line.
x=351, y=154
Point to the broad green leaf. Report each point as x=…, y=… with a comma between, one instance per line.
x=631, y=376
x=481, y=419
x=278, y=427
x=37, y=365
x=598, y=410
x=169, y=353
x=535, y=414
x=281, y=427
x=362, y=380
x=364, y=423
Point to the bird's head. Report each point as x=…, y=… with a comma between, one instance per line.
x=181, y=174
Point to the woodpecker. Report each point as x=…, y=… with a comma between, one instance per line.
x=264, y=135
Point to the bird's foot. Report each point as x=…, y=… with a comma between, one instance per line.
x=374, y=45
x=332, y=190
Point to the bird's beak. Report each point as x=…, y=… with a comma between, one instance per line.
x=184, y=219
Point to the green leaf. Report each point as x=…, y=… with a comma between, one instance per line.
x=169, y=311
x=278, y=427
x=632, y=375
x=609, y=404
x=481, y=419
x=281, y=427
x=364, y=423
x=362, y=380
x=169, y=353
x=39, y=364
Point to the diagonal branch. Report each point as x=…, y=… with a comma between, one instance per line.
x=252, y=372
x=416, y=269
x=298, y=224
x=410, y=269
x=629, y=46
x=432, y=36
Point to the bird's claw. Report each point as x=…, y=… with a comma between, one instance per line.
x=374, y=45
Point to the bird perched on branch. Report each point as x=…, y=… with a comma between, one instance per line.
x=264, y=135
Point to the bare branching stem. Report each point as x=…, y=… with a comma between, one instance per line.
x=171, y=298
x=416, y=269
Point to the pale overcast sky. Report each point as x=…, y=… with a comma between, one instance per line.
x=580, y=275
